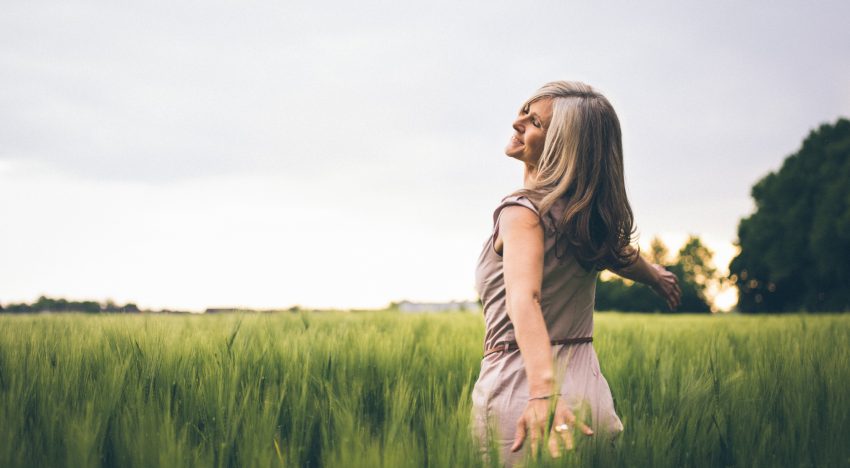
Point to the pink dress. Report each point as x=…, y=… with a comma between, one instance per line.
x=567, y=297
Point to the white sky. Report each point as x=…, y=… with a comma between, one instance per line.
x=346, y=154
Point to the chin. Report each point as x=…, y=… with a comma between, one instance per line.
x=518, y=157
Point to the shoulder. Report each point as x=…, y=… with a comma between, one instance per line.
x=517, y=217
x=516, y=203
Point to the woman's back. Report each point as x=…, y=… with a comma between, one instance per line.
x=568, y=290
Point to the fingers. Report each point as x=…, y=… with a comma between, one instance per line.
x=535, y=436
x=554, y=450
x=668, y=287
x=568, y=440
x=531, y=425
x=676, y=289
x=565, y=437
x=522, y=431
x=668, y=295
x=557, y=436
x=564, y=424
x=533, y=428
x=673, y=302
x=556, y=439
x=519, y=435
x=677, y=296
x=672, y=291
x=574, y=422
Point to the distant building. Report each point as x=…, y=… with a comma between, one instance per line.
x=452, y=306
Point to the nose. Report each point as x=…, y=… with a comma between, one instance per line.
x=518, y=125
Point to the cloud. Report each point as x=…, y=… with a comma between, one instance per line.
x=160, y=92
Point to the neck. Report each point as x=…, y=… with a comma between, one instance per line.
x=529, y=175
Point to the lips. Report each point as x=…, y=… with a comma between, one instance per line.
x=516, y=140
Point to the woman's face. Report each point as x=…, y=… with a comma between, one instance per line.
x=526, y=144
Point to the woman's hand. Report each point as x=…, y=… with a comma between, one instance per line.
x=667, y=286
x=533, y=423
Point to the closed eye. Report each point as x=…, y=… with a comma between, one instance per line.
x=534, y=120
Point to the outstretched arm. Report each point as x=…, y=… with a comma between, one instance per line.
x=663, y=282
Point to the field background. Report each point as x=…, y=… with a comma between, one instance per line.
x=388, y=389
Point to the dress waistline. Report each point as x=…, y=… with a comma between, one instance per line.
x=505, y=346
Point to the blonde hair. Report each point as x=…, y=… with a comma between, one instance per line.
x=582, y=162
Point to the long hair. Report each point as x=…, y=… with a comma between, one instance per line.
x=582, y=163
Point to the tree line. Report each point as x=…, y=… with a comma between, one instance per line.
x=47, y=304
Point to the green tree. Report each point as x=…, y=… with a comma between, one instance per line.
x=795, y=248
x=658, y=252
x=696, y=273
x=90, y=307
x=693, y=267
x=616, y=294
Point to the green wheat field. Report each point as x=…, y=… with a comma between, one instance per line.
x=388, y=389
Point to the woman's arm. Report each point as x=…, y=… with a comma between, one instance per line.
x=522, y=241
x=522, y=262
x=640, y=271
x=663, y=282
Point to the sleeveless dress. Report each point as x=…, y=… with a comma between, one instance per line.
x=567, y=300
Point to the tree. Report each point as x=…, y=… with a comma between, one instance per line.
x=795, y=248
x=658, y=252
x=693, y=267
x=617, y=294
x=696, y=273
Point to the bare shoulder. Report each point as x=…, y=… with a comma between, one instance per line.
x=518, y=224
x=517, y=217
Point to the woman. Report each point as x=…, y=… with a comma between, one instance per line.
x=537, y=276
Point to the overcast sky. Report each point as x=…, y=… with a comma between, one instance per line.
x=347, y=154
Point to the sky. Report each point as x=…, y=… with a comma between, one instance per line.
x=347, y=154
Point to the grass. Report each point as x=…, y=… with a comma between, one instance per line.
x=385, y=389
